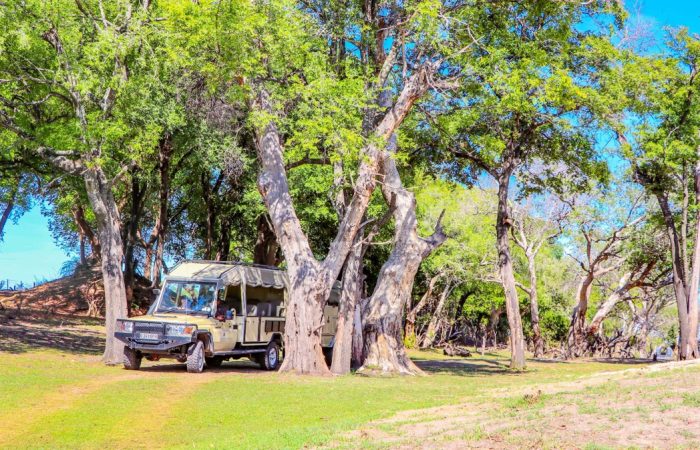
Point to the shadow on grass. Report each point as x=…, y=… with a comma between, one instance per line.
x=466, y=367
x=54, y=333
x=239, y=367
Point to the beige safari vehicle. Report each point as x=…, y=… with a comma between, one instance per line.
x=207, y=312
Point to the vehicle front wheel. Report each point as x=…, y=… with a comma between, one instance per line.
x=195, y=358
x=132, y=359
x=271, y=357
x=214, y=362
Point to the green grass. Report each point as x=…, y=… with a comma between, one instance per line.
x=60, y=400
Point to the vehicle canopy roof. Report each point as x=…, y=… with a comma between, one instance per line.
x=230, y=273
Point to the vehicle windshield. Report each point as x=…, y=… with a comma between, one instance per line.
x=185, y=297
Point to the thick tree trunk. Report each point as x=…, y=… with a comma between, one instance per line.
x=431, y=332
x=107, y=216
x=352, y=290
x=505, y=266
x=384, y=350
x=310, y=281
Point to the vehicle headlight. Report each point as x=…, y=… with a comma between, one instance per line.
x=180, y=330
x=125, y=326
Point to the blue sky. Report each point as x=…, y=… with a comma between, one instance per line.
x=28, y=253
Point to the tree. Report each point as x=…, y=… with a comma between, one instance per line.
x=535, y=222
x=525, y=110
x=660, y=95
x=73, y=77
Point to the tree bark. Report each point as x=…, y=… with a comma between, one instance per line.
x=352, y=290
x=86, y=230
x=537, y=340
x=9, y=206
x=311, y=282
x=99, y=192
x=505, y=265
x=410, y=328
x=577, y=329
x=431, y=332
x=137, y=195
x=358, y=346
x=266, y=246
x=383, y=343
x=680, y=287
x=694, y=284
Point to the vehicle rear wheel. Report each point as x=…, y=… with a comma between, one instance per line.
x=270, y=360
x=132, y=359
x=195, y=358
x=214, y=362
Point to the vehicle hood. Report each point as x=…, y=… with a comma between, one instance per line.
x=173, y=318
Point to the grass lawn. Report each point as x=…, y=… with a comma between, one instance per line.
x=53, y=398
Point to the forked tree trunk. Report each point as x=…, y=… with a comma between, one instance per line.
x=384, y=349
x=680, y=286
x=349, y=298
x=108, y=224
x=431, y=332
x=505, y=266
x=410, y=327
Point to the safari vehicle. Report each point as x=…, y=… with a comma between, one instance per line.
x=208, y=312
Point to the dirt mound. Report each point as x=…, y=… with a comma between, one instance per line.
x=80, y=294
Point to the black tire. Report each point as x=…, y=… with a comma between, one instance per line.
x=195, y=358
x=270, y=360
x=214, y=362
x=132, y=359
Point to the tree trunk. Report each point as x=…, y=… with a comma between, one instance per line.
x=679, y=280
x=266, y=246
x=431, y=333
x=537, y=340
x=384, y=349
x=505, y=265
x=137, y=196
x=358, y=347
x=609, y=303
x=86, y=230
x=492, y=326
x=410, y=328
x=577, y=330
x=352, y=290
x=694, y=284
x=107, y=216
x=9, y=206
x=311, y=282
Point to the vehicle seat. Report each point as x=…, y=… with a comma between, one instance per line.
x=264, y=309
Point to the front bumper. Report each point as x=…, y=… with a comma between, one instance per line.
x=162, y=345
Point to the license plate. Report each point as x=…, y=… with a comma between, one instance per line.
x=148, y=336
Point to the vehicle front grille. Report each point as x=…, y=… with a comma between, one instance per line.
x=154, y=330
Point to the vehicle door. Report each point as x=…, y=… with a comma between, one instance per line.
x=228, y=309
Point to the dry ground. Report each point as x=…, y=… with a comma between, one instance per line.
x=652, y=407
